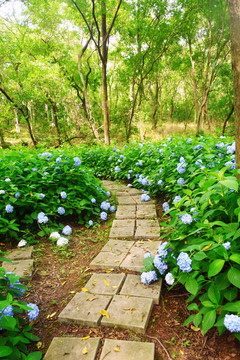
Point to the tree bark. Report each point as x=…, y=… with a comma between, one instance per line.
x=226, y=120
x=234, y=16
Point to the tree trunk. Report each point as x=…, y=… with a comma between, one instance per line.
x=55, y=120
x=226, y=120
x=4, y=145
x=234, y=15
x=104, y=75
x=18, y=129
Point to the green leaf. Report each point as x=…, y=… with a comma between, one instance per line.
x=192, y=286
x=199, y=256
x=8, y=323
x=31, y=336
x=236, y=258
x=148, y=263
x=232, y=306
x=214, y=294
x=234, y=276
x=231, y=294
x=208, y=320
x=189, y=319
x=5, y=351
x=197, y=320
x=208, y=304
x=193, y=306
x=215, y=267
x=237, y=335
x=36, y=355
x=41, y=233
x=230, y=184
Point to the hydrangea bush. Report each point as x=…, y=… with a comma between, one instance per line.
x=16, y=317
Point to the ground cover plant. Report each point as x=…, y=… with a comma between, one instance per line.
x=202, y=251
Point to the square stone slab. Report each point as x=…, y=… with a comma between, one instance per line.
x=126, y=200
x=147, y=233
x=123, y=223
x=147, y=223
x=129, y=312
x=122, y=232
x=133, y=191
x=128, y=350
x=126, y=212
x=122, y=246
x=134, y=287
x=146, y=211
x=71, y=348
x=134, y=259
x=21, y=253
x=107, y=260
x=105, y=284
x=138, y=200
x=22, y=268
x=84, y=309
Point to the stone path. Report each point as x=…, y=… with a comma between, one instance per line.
x=22, y=263
x=116, y=299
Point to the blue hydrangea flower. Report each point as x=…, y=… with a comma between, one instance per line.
x=181, y=167
x=227, y=245
x=169, y=279
x=34, y=169
x=108, y=193
x=7, y=311
x=140, y=163
x=7, y=180
x=148, y=277
x=9, y=208
x=198, y=147
x=103, y=215
x=42, y=196
x=162, y=251
x=165, y=206
x=147, y=255
x=42, y=218
x=117, y=169
x=67, y=230
x=186, y=219
x=188, y=141
x=122, y=156
x=177, y=199
x=160, y=182
x=16, y=287
x=46, y=154
x=17, y=195
x=45, y=173
x=90, y=223
x=112, y=208
x=184, y=262
x=160, y=264
x=181, y=181
x=114, y=149
x=63, y=195
x=61, y=210
x=128, y=176
x=2, y=192
x=93, y=201
x=198, y=162
x=33, y=314
x=182, y=160
x=145, y=197
x=232, y=322
x=77, y=161
x=58, y=160
x=144, y=181
x=105, y=205
x=231, y=148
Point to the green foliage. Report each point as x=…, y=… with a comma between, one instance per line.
x=15, y=331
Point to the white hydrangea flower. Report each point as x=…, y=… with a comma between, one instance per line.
x=62, y=241
x=169, y=279
x=22, y=243
x=54, y=236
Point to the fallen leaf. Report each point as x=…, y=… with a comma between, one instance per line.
x=85, y=338
x=85, y=289
x=117, y=348
x=85, y=350
x=91, y=299
x=72, y=292
x=39, y=344
x=52, y=315
x=90, y=331
x=114, y=286
x=195, y=328
x=78, y=308
x=63, y=283
x=207, y=247
x=107, y=283
x=105, y=313
x=116, y=261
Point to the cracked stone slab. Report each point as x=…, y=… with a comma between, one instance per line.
x=146, y=211
x=147, y=233
x=133, y=191
x=22, y=268
x=129, y=312
x=84, y=309
x=147, y=223
x=122, y=246
x=128, y=350
x=122, y=232
x=71, y=348
x=21, y=253
x=105, y=284
x=138, y=201
x=135, y=257
x=123, y=223
x=126, y=212
x=126, y=200
x=134, y=287
x=105, y=260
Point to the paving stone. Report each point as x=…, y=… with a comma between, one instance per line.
x=21, y=253
x=126, y=200
x=134, y=191
x=122, y=246
x=138, y=201
x=84, y=309
x=123, y=223
x=105, y=284
x=116, y=187
x=71, y=348
x=108, y=183
x=122, y=232
x=134, y=287
x=128, y=313
x=147, y=223
x=22, y=268
x=107, y=260
x=134, y=259
x=146, y=211
x=128, y=350
x=126, y=212
x=147, y=233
